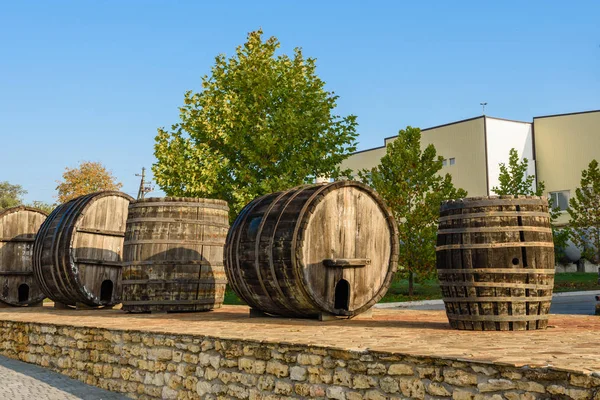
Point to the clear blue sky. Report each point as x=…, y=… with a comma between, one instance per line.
x=92, y=80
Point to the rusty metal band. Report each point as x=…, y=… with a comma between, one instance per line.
x=23, y=273
x=492, y=245
x=496, y=229
x=496, y=299
x=495, y=214
x=179, y=204
x=178, y=220
x=102, y=232
x=497, y=285
x=173, y=262
x=495, y=271
x=167, y=302
x=192, y=242
x=497, y=318
x=208, y=281
x=87, y=261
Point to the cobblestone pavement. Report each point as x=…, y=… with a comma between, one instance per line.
x=22, y=381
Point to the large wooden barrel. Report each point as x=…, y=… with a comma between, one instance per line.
x=77, y=252
x=173, y=257
x=18, y=227
x=495, y=262
x=325, y=249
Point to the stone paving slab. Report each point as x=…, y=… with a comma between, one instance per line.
x=571, y=343
x=22, y=381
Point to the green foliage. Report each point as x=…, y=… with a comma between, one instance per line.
x=11, y=195
x=514, y=180
x=262, y=123
x=41, y=205
x=408, y=180
x=584, y=210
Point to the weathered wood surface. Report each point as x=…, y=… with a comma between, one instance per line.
x=78, y=250
x=173, y=257
x=325, y=248
x=495, y=262
x=18, y=227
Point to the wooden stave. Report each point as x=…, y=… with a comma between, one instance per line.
x=65, y=285
x=6, y=272
x=298, y=301
x=218, y=281
x=533, y=205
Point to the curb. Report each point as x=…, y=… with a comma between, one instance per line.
x=406, y=304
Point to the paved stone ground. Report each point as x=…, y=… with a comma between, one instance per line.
x=570, y=343
x=22, y=381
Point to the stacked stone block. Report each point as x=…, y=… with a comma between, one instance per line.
x=145, y=365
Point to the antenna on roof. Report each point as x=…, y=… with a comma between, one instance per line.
x=483, y=107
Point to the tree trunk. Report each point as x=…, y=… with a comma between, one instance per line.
x=411, y=279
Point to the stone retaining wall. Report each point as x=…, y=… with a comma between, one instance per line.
x=149, y=366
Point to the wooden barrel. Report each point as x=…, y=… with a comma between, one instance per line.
x=18, y=227
x=77, y=252
x=173, y=257
x=495, y=262
x=325, y=249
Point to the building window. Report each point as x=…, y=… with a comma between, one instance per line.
x=452, y=161
x=444, y=162
x=560, y=199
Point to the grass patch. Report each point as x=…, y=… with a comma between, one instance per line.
x=428, y=290
x=576, y=281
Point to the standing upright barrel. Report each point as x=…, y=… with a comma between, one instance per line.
x=173, y=258
x=18, y=227
x=495, y=262
x=77, y=252
x=324, y=249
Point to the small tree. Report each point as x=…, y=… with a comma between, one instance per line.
x=515, y=181
x=408, y=180
x=89, y=177
x=262, y=123
x=11, y=195
x=584, y=210
x=42, y=205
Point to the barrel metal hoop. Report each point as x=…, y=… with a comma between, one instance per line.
x=182, y=281
x=486, y=214
x=529, y=271
x=497, y=318
x=172, y=241
x=173, y=262
x=180, y=204
x=166, y=302
x=492, y=245
x=179, y=220
x=102, y=232
x=496, y=229
x=498, y=285
x=510, y=299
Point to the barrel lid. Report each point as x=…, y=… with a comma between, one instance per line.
x=180, y=200
x=490, y=201
x=11, y=210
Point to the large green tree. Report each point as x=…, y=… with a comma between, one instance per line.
x=11, y=195
x=263, y=122
x=584, y=209
x=515, y=181
x=409, y=181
